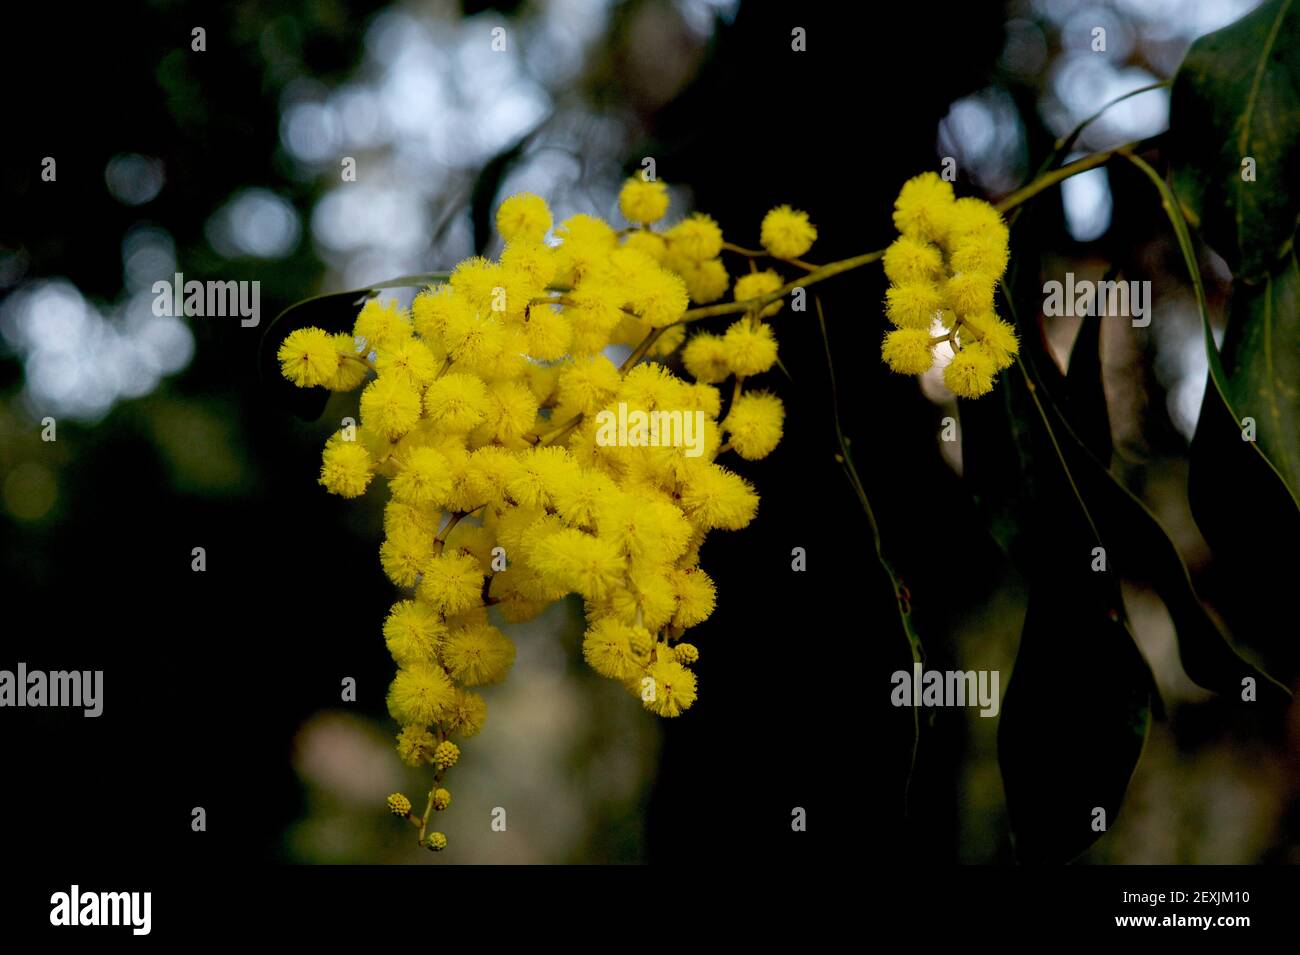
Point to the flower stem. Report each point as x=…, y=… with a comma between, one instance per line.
x=821, y=273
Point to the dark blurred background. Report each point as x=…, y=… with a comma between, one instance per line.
x=222, y=688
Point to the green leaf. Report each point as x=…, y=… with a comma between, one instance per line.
x=1077, y=710
x=1079, y=703
x=1085, y=394
x=1062, y=761
x=1237, y=97
x=1261, y=357
x=1075, y=715
x=1241, y=503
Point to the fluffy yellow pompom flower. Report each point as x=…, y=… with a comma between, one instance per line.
x=456, y=402
x=787, y=233
x=577, y=501
x=413, y=633
x=697, y=237
x=969, y=293
x=924, y=208
x=616, y=650
x=391, y=406
x=971, y=219
x=908, y=351
x=399, y=805
x=477, y=279
x=467, y=714
x=757, y=285
x=478, y=655
x=410, y=360
x=415, y=745
x=696, y=597
x=573, y=561
x=539, y=473
x=381, y=324
x=642, y=201
x=913, y=305
x=585, y=385
x=994, y=335
x=510, y=410
x=446, y=755
x=308, y=357
x=750, y=348
x=647, y=243
x=910, y=261
x=523, y=217
x=420, y=694
x=451, y=583
x=984, y=254
x=404, y=553
x=754, y=424
x=706, y=281
x=437, y=307
x=424, y=478
x=713, y=497
x=705, y=358
x=970, y=373
x=350, y=371
x=673, y=687
x=346, y=468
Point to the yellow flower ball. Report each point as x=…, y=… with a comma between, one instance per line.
x=308, y=357
x=913, y=304
x=446, y=755
x=672, y=687
x=420, y=694
x=523, y=217
x=697, y=237
x=346, y=468
x=643, y=201
x=757, y=285
x=753, y=424
x=786, y=233
x=908, y=351
x=750, y=348
x=970, y=373
x=924, y=208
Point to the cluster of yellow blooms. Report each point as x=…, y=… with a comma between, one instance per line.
x=480, y=407
x=942, y=269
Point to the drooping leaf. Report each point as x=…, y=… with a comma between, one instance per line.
x=1261, y=357
x=1075, y=715
x=1085, y=393
x=1079, y=703
x=1235, y=124
x=1242, y=505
